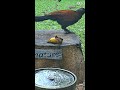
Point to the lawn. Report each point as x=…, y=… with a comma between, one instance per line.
x=46, y=6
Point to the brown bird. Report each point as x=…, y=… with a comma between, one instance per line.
x=63, y=17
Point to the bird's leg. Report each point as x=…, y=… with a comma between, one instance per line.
x=66, y=30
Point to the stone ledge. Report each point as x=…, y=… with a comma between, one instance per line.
x=42, y=36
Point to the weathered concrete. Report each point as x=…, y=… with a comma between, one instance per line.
x=42, y=36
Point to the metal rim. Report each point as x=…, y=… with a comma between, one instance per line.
x=75, y=78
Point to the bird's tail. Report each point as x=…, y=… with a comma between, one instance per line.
x=41, y=18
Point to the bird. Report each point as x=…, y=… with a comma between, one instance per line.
x=59, y=0
x=55, y=40
x=63, y=17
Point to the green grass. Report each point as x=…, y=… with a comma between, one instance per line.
x=47, y=6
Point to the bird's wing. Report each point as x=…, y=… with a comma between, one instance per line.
x=56, y=13
x=62, y=14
